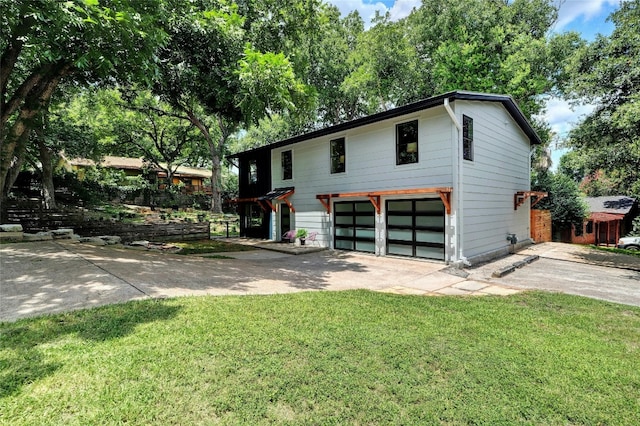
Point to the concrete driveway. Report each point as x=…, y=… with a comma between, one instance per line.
x=52, y=276
x=571, y=269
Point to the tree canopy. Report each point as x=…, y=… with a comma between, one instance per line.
x=46, y=42
x=606, y=73
x=215, y=71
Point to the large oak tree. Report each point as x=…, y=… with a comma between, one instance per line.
x=46, y=42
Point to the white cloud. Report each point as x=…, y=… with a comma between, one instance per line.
x=399, y=10
x=402, y=8
x=585, y=10
x=367, y=10
x=562, y=117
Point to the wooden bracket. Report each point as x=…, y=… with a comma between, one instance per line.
x=445, y=196
x=521, y=196
x=375, y=200
x=270, y=204
x=286, y=200
x=326, y=201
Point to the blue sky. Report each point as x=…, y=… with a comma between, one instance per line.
x=587, y=17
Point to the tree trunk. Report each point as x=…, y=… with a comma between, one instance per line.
x=48, y=190
x=216, y=187
x=36, y=102
x=11, y=164
x=216, y=191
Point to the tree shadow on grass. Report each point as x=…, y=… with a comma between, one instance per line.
x=22, y=360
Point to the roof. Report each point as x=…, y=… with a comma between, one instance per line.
x=506, y=100
x=277, y=193
x=137, y=164
x=615, y=204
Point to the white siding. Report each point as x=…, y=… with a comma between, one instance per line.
x=500, y=169
x=482, y=212
x=370, y=166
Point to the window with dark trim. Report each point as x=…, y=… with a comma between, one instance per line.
x=579, y=230
x=467, y=138
x=338, y=159
x=407, y=142
x=287, y=165
x=253, y=172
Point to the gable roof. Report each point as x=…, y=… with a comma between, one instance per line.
x=616, y=204
x=112, y=161
x=507, y=101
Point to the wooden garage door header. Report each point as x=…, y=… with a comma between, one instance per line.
x=374, y=196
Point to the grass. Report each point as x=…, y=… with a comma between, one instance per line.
x=209, y=246
x=635, y=253
x=352, y=357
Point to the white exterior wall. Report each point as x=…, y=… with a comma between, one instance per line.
x=499, y=169
x=370, y=166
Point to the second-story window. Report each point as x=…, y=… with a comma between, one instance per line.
x=253, y=172
x=467, y=138
x=338, y=159
x=287, y=165
x=407, y=142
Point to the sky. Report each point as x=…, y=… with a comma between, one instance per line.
x=587, y=17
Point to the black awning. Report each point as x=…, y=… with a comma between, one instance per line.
x=277, y=194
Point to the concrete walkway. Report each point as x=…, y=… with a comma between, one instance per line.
x=54, y=276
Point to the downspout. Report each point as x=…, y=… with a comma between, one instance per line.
x=459, y=188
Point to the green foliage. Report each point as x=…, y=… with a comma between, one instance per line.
x=635, y=229
x=565, y=201
x=209, y=246
x=383, y=66
x=268, y=83
x=607, y=73
x=349, y=357
x=301, y=233
x=45, y=43
x=96, y=185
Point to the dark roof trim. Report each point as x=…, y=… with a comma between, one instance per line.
x=505, y=100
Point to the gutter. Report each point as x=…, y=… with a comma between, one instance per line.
x=459, y=187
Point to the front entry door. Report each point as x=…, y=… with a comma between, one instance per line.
x=285, y=219
x=256, y=222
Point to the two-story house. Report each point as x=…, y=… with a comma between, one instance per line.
x=446, y=178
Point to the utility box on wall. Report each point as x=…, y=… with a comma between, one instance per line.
x=541, y=226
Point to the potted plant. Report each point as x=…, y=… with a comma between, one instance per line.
x=302, y=235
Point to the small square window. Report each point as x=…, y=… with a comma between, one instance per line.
x=253, y=172
x=407, y=142
x=338, y=155
x=467, y=138
x=287, y=165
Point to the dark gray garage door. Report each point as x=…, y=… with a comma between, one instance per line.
x=354, y=226
x=416, y=228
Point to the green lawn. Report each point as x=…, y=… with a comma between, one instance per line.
x=209, y=246
x=352, y=357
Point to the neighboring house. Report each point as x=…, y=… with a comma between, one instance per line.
x=446, y=178
x=192, y=178
x=609, y=219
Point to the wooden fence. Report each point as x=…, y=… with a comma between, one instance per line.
x=35, y=220
x=541, y=225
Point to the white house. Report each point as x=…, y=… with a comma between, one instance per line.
x=446, y=178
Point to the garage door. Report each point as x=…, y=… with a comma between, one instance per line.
x=354, y=226
x=416, y=228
